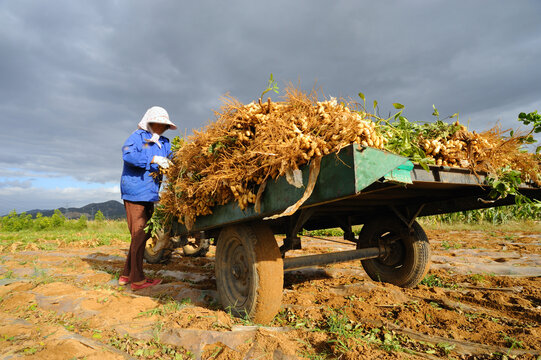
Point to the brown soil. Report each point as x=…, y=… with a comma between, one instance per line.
x=481, y=300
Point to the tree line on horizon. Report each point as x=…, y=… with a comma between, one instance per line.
x=23, y=221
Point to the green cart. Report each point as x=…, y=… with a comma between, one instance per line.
x=358, y=185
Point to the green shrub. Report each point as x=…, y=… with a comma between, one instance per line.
x=81, y=223
x=496, y=215
x=58, y=219
x=14, y=222
x=41, y=223
x=99, y=216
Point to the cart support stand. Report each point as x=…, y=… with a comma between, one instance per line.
x=292, y=241
x=345, y=225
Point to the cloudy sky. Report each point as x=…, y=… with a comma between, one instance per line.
x=77, y=76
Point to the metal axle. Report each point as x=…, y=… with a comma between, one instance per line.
x=332, y=258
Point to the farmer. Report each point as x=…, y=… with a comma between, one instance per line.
x=144, y=153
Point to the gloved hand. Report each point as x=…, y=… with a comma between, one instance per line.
x=161, y=161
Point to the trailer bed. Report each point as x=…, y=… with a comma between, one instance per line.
x=357, y=183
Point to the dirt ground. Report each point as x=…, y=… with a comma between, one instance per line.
x=481, y=300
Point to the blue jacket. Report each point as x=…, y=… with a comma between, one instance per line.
x=137, y=183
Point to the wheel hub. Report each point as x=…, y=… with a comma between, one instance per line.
x=393, y=249
x=238, y=276
x=238, y=271
x=239, y=268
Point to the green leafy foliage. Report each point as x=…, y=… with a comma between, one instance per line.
x=99, y=217
x=405, y=136
x=14, y=222
x=345, y=335
x=271, y=86
x=177, y=143
x=215, y=147
x=82, y=222
x=58, y=219
x=506, y=183
x=435, y=281
x=95, y=234
x=437, y=129
x=512, y=342
x=533, y=119
x=41, y=223
x=402, y=135
x=158, y=220
x=496, y=215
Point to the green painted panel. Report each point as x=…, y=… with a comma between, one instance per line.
x=372, y=164
x=401, y=174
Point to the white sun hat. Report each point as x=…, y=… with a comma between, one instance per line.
x=158, y=115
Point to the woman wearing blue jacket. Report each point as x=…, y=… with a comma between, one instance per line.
x=144, y=153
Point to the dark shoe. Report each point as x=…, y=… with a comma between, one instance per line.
x=147, y=283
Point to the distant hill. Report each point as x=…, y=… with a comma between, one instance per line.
x=112, y=209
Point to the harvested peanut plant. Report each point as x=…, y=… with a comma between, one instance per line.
x=249, y=144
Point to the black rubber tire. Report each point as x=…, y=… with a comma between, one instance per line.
x=157, y=257
x=249, y=272
x=196, y=251
x=408, y=261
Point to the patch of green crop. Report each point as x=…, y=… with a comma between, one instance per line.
x=94, y=234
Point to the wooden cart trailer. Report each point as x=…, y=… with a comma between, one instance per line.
x=358, y=185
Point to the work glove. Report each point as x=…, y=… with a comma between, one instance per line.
x=161, y=161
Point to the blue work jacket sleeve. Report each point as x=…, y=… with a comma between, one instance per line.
x=133, y=154
x=167, y=146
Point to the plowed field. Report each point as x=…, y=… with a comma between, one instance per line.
x=481, y=300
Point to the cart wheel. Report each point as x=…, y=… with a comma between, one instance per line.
x=157, y=249
x=249, y=272
x=199, y=248
x=407, y=253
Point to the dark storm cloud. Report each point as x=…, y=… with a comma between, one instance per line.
x=78, y=76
